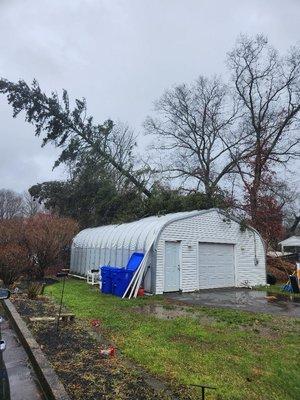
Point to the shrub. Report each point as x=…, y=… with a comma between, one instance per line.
x=31, y=245
x=34, y=290
x=48, y=238
x=14, y=261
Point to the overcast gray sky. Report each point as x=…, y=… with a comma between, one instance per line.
x=120, y=55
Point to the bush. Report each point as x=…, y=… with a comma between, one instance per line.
x=8, y=274
x=48, y=238
x=31, y=245
x=14, y=261
x=34, y=290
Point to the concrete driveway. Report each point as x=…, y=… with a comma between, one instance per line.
x=241, y=299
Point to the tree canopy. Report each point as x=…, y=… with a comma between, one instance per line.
x=69, y=128
x=215, y=143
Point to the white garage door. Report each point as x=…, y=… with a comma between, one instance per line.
x=216, y=265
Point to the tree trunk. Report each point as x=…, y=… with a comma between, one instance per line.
x=292, y=229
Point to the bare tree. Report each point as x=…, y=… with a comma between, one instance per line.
x=11, y=204
x=292, y=216
x=31, y=206
x=267, y=87
x=293, y=229
x=195, y=128
x=122, y=143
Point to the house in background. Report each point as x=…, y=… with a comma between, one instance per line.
x=185, y=251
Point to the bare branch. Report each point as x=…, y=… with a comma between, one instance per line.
x=194, y=128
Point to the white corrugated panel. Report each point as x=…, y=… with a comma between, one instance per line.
x=113, y=244
x=127, y=235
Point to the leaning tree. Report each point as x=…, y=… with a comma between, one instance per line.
x=71, y=129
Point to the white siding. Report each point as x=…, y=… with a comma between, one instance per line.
x=211, y=227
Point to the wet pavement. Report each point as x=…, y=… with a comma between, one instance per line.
x=22, y=380
x=242, y=299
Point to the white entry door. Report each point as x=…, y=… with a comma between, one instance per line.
x=216, y=265
x=172, y=266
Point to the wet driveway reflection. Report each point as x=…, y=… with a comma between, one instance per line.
x=242, y=299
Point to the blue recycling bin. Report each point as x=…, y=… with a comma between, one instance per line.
x=106, y=277
x=115, y=280
x=134, y=261
x=120, y=281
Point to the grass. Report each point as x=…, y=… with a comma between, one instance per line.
x=276, y=289
x=245, y=355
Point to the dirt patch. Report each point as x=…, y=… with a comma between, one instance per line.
x=39, y=307
x=74, y=354
x=264, y=331
x=75, y=357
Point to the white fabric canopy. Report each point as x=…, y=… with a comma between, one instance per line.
x=293, y=241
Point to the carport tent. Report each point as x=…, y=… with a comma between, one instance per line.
x=293, y=241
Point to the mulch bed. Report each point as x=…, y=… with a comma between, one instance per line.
x=74, y=354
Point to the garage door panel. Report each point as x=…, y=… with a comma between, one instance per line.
x=216, y=265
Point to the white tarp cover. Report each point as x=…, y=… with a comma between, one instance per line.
x=293, y=241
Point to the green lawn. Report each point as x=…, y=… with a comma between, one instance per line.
x=276, y=289
x=247, y=356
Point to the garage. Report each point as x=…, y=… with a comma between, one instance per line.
x=216, y=265
x=186, y=251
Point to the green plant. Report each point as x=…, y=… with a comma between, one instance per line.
x=34, y=290
x=243, y=225
x=43, y=285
